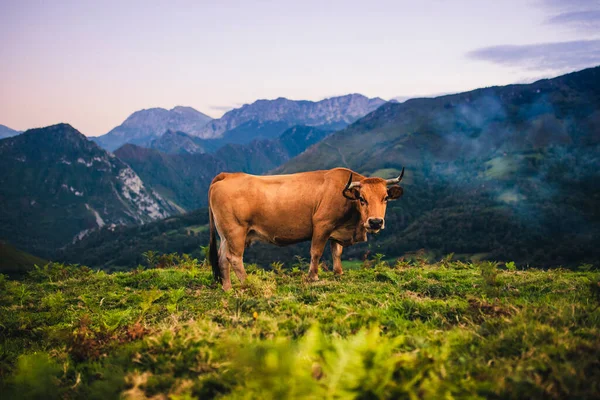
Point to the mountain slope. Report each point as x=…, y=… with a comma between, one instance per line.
x=143, y=126
x=503, y=172
x=56, y=186
x=181, y=178
x=483, y=122
x=177, y=142
x=333, y=113
x=16, y=262
x=5, y=132
x=184, y=178
x=260, y=156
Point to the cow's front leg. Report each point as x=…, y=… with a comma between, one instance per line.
x=316, y=251
x=336, y=255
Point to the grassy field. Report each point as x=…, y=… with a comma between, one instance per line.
x=408, y=330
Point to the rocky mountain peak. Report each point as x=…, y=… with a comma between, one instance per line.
x=334, y=112
x=143, y=126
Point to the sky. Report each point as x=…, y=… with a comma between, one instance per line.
x=93, y=63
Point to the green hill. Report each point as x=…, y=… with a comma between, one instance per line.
x=15, y=262
x=122, y=247
x=409, y=330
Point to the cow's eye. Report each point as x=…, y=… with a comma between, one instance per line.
x=362, y=200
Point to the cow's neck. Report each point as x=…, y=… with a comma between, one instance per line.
x=360, y=233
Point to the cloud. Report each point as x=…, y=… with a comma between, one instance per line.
x=558, y=57
x=570, y=5
x=579, y=15
x=222, y=108
x=584, y=21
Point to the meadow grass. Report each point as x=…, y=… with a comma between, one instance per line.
x=407, y=330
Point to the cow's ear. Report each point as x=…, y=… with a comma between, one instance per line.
x=394, y=192
x=352, y=194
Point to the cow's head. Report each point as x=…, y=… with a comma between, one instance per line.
x=372, y=195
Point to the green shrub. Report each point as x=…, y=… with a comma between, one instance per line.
x=36, y=376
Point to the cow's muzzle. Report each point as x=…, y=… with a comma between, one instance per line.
x=374, y=224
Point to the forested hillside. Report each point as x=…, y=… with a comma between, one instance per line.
x=56, y=187
x=507, y=172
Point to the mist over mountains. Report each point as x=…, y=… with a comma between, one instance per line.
x=506, y=171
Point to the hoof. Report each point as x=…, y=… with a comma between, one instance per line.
x=313, y=277
x=340, y=272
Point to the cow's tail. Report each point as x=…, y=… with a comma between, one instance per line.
x=213, y=252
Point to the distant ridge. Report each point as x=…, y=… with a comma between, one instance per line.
x=5, y=132
x=263, y=119
x=177, y=142
x=332, y=113
x=143, y=126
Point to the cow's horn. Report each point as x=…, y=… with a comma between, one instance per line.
x=351, y=184
x=395, y=180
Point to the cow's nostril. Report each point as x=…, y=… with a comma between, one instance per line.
x=375, y=222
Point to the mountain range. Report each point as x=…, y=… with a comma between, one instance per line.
x=56, y=186
x=189, y=131
x=333, y=113
x=63, y=186
x=507, y=171
x=504, y=173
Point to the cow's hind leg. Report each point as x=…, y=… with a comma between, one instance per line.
x=235, y=253
x=336, y=255
x=224, y=265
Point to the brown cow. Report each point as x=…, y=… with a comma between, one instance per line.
x=337, y=205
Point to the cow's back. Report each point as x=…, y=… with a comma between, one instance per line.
x=278, y=208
